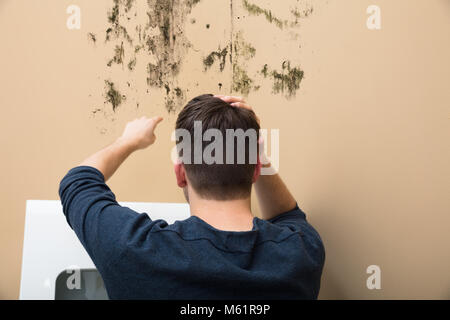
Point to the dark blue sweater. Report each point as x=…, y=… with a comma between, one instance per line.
x=140, y=258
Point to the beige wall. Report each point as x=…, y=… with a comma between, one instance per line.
x=364, y=145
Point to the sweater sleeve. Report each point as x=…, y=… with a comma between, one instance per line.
x=102, y=225
x=295, y=220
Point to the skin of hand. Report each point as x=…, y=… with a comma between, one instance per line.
x=237, y=102
x=140, y=133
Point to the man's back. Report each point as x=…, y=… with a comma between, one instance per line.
x=143, y=259
x=191, y=260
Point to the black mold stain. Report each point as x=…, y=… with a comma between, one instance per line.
x=128, y=5
x=243, y=51
x=112, y=95
x=119, y=54
x=162, y=44
x=96, y=110
x=132, y=64
x=242, y=83
x=220, y=54
x=256, y=10
x=168, y=46
x=116, y=29
x=160, y=41
x=92, y=37
x=286, y=81
x=242, y=48
x=297, y=13
x=174, y=98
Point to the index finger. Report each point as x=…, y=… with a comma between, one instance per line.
x=156, y=121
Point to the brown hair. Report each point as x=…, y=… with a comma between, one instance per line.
x=218, y=181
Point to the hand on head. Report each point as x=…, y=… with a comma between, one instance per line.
x=235, y=101
x=239, y=102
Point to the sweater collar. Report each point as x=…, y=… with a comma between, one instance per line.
x=194, y=228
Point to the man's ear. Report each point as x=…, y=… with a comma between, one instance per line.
x=257, y=172
x=180, y=173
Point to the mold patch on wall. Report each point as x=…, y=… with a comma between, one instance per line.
x=151, y=36
x=112, y=95
x=159, y=42
x=297, y=14
x=286, y=81
x=243, y=52
x=219, y=55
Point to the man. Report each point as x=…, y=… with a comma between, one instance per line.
x=222, y=251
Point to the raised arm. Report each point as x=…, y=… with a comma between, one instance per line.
x=138, y=134
x=273, y=196
x=91, y=208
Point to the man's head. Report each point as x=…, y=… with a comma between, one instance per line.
x=227, y=178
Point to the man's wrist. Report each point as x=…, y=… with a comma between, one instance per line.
x=128, y=145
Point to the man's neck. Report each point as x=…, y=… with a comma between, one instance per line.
x=232, y=215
